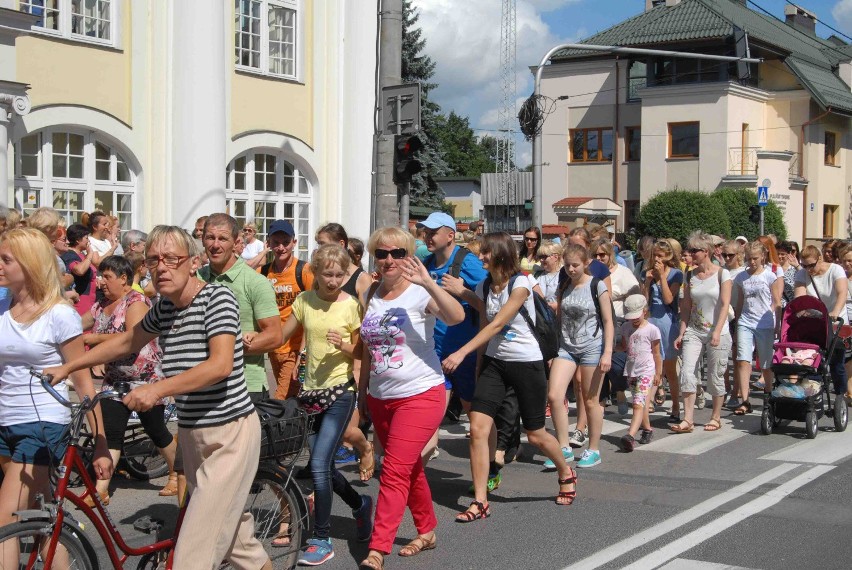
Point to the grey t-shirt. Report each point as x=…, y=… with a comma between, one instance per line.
x=580, y=329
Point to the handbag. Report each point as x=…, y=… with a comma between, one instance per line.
x=319, y=400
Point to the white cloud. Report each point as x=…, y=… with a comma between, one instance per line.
x=463, y=38
x=842, y=12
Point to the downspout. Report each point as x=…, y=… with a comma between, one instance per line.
x=802, y=173
x=615, y=141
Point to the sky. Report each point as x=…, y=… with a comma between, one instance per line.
x=463, y=38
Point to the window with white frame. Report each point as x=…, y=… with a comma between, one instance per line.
x=263, y=187
x=74, y=173
x=266, y=36
x=87, y=20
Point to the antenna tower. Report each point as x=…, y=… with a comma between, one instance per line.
x=507, y=115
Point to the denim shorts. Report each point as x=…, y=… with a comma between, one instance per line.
x=589, y=357
x=748, y=338
x=33, y=443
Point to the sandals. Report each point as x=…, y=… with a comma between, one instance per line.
x=281, y=540
x=366, y=473
x=745, y=408
x=483, y=512
x=418, y=545
x=713, y=425
x=171, y=488
x=374, y=561
x=660, y=397
x=678, y=429
x=566, y=498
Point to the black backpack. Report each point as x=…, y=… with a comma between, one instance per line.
x=455, y=264
x=545, y=329
x=300, y=268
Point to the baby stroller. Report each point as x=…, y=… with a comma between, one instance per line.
x=803, y=382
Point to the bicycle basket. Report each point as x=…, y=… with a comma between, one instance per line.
x=284, y=426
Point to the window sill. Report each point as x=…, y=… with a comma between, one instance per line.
x=832, y=165
x=587, y=162
x=631, y=161
x=76, y=39
x=251, y=72
x=682, y=158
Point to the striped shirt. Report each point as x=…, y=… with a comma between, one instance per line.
x=184, y=338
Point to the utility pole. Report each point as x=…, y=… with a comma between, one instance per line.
x=385, y=198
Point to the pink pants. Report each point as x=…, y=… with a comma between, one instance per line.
x=404, y=426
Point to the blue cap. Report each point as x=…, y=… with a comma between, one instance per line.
x=437, y=220
x=282, y=226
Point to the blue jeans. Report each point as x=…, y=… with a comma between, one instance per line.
x=330, y=426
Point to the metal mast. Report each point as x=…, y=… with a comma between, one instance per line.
x=507, y=115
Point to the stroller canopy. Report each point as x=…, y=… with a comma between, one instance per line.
x=805, y=319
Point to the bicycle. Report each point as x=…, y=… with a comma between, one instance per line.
x=49, y=532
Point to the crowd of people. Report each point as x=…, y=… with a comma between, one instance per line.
x=192, y=316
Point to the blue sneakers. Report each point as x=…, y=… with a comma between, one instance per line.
x=364, y=519
x=567, y=453
x=317, y=552
x=345, y=455
x=589, y=459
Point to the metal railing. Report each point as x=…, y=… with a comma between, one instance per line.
x=742, y=160
x=795, y=169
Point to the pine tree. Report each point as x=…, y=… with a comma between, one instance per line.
x=419, y=67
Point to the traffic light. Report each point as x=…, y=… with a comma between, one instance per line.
x=754, y=214
x=405, y=161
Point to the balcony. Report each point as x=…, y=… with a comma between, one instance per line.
x=742, y=161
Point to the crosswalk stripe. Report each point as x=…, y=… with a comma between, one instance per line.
x=684, y=564
x=828, y=448
x=695, y=443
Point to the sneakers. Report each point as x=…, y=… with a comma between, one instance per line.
x=317, y=552
x=364, y=519
x=623, y=408
x=627, y=443
x=344, y=455
x=733, y=403
x=566, y=453
x=578, y=438
x=700, y=402
x=494, y=480
x=589, y=459
x=647, y=436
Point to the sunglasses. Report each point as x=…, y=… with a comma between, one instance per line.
x=397, y=253
x=809, y=265
x=729, y=255
x=530, y=238
x=542, y=257
x=694, y=250
x=600, y=255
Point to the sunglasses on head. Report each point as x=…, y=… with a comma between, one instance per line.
x=397, y=253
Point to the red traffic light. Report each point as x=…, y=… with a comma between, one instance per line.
x=406, y=163
x=408, y=145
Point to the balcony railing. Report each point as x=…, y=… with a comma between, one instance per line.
x=795, y=169
x=742, y=161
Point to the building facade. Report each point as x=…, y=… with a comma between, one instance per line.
x=629, y=127
x=160, y=112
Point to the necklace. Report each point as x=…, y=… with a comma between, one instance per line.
x=23, y=311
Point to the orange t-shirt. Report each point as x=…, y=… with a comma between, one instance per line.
x=286, y=290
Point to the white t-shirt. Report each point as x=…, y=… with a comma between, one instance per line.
x=735, y=291
x=101, y=246
x=549, y=284
x=704, y=294
x=624, y=284
x=252, y=250
x=516, y=342
x=35, y=345
x=398, y=334
x=824, y=283
x=757, y=310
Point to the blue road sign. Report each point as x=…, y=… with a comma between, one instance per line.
x=762, y=195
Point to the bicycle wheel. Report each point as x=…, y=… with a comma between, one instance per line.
x=276, y=514
x=141, y=458
x=25, y=541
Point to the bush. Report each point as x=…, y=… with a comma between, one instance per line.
x=736, y=202
x=678, y=213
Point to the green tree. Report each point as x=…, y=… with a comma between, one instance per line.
x=736, y=202
x=465, y=154
x=419, y=67
x=678, y=213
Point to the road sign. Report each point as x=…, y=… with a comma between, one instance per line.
x=762, y=195
x=766, y=182
x=401, y=109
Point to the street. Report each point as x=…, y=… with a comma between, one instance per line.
x=733, y=498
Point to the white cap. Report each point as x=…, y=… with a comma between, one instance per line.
x=742, y=239
x=634, y=306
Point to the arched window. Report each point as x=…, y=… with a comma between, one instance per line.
x=263, y=187
x=74, y=172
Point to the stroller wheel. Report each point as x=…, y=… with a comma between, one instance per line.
x=811, y=427
x=767, y=420
x=841, y=414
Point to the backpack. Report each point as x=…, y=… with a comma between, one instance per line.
x=545, y=329
x=300, y=268
x=593, y=289
x=455, y=264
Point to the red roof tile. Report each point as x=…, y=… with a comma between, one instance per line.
x=573, y=202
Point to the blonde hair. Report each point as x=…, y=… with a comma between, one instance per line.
x=37, y=258
x=665, y=246
x=474, y=246
x=250, y=226
x=13, y=218
x=758, y=247
x=549, y=247
x=811, y=251
x=737, y=248
x=175, y=233
x=45, y=220
x=327, y=255
x=700, y=240
x=391, y=236
x=606, y=245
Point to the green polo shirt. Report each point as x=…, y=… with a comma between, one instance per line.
x=257, y=301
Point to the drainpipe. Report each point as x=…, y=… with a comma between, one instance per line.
x=615, y=141
x=802, y=173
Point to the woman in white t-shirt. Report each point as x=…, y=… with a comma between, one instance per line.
x=828, y=283
x=401, y=386
x=550, y=259
x=254, y=251
x=512, y=359
x=757, y=308
x=100, y=239
x=39, y=329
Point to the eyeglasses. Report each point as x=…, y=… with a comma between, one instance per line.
x=397, y=253
x=693, y=250
x=601, y=255
x=530, y=238
x=170, y=261
x=248, y=231
x=810, y=265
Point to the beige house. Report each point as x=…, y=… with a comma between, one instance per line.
x=625, y=128
x=166, y=111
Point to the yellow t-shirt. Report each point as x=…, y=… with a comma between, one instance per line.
x=327, y=366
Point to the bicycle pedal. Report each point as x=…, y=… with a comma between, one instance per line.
x=147, y=524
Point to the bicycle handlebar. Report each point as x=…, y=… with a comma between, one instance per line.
x=120, y=391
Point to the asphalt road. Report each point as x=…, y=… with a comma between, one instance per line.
x=729, y=499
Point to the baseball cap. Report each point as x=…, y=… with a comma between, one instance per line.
x=437, y=220
x=282, y=226
x=634, y=306
x=742, y=239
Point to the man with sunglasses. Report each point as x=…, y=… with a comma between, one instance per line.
x=259, y=319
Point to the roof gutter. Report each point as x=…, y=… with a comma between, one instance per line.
x=802, y=171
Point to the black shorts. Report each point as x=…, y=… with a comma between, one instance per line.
x=527, y=378
x=116, y=416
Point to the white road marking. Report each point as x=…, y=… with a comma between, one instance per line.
x=720, y=524
x=697, y=442
x=684, y=564
x=828, y=448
